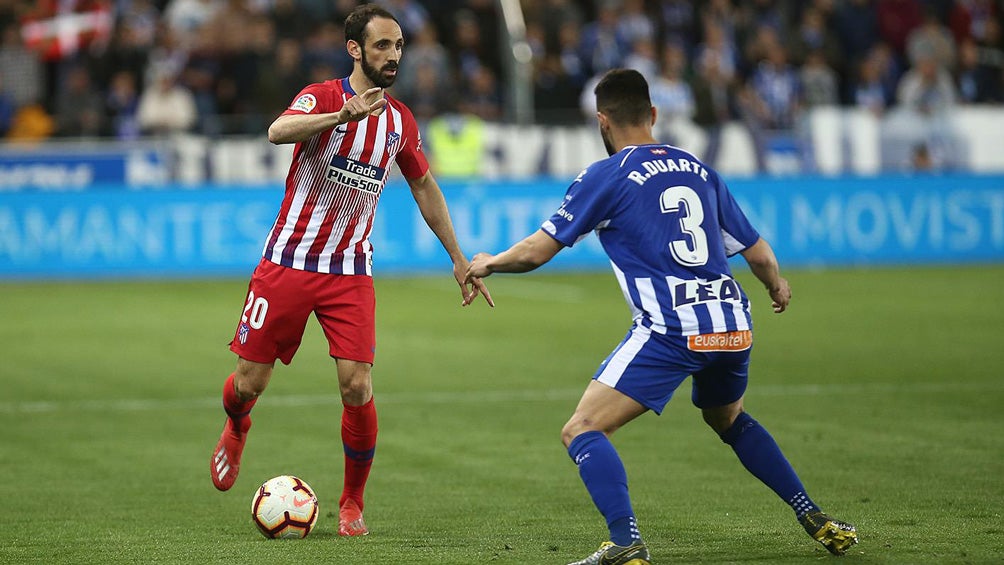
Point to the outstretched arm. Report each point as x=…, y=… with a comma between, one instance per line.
x=427, y=194
x=533, y=251
x=763, y=263
x=294, y=128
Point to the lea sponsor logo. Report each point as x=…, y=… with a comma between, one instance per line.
x=691, y=292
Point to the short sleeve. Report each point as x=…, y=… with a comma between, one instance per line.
x=411, y=158
x=314, y=99
x=586, y=207
x=737, y=231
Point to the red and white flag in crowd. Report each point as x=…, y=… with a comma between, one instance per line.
x=59, y=28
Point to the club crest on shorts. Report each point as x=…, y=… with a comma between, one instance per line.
x=242, y=333
x=393, y=140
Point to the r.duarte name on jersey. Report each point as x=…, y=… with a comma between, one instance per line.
x=667, y=165
x=699, y=290
x=355, y=174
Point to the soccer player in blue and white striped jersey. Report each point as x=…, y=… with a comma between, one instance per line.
x=668, y=224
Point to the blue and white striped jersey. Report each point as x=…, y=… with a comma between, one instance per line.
x=668, y=224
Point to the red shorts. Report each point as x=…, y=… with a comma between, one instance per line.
x=280, y=300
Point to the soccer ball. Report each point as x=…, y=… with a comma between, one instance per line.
x=284, y=507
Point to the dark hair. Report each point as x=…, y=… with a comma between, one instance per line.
x=622, y=95
x=355, y=23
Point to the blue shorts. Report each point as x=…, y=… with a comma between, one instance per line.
x=648, y=367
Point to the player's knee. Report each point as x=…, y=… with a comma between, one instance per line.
x=717, y=420
x=251, y=378
x=575, y=427
x=721, y=418
x=567, y=435
x=355, y=385
x=248, y=390
x=740, y=425
x=355, y=393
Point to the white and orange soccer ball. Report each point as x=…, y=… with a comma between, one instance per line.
x=284, y=507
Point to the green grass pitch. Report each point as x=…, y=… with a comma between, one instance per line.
x=884, y=387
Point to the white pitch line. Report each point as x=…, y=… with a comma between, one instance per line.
x=474, y=396
x=144, y=405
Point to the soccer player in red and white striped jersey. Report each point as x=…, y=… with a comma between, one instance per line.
x=317, y=257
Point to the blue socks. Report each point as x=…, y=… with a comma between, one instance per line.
x=761, y=456
x=603, y=474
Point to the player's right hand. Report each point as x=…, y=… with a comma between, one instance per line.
x=362, y=105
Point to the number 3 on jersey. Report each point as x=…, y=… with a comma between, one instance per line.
x=255, y=311
x=684, y=201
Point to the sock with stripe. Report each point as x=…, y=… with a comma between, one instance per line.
x=603, y=474
x=238, y=410
x=359, y=433
x=762, y=457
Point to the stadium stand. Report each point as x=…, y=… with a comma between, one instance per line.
x=92, y=67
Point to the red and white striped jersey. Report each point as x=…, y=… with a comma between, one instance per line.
x=335, y=181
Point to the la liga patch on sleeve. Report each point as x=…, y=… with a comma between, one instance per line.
x=305, y=103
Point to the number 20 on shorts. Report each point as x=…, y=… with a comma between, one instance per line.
x=255, y=311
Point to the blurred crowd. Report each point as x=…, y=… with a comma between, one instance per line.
x=765, y=61
x=127, y=68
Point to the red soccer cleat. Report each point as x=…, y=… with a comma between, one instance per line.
x=226, y=460
x=350, y=520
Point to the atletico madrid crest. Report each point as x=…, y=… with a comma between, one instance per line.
x=393, y=139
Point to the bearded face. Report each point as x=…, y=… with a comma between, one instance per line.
x=382, y=77
x=607, y=143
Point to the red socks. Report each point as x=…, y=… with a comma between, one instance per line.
x=359, y=433
x=236, y=408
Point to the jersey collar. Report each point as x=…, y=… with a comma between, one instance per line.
x=347, y=87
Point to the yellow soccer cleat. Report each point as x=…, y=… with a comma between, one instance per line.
x=611, y=554
x=836, y=536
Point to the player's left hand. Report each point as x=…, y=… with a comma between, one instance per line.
x=478, y=266
x=470, y=286
x=780, y=296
